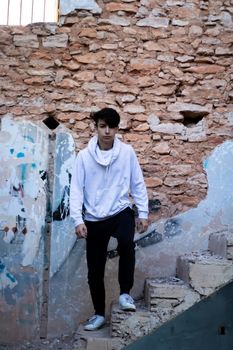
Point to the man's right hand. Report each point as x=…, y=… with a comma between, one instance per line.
x=81, y=231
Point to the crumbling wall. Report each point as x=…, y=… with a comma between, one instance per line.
x=164, y=65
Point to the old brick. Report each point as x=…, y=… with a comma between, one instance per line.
x=162, y=148
x=173, y=181
x=142, y=127
x=134, y=109
x=115, y=20
x=58, y=40
x=26, y=40
x=206, y=69
x=118, y=87
x=67, y=84
x=113, y=6
x=144, y=64
x=91, y=58
x=168, y=128
x=189, y=107
x=88, y=32
x=154, y=22
x=153, y=46
x=180, y=169
x=84, y=76
x=153, y=181
x=80, y=125
x=137, y=138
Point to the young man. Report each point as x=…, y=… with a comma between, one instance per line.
x=104, y=174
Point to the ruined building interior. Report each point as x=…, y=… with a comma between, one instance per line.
x=167, y=67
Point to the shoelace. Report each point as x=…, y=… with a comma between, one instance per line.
x=130, y=299
x=92, y=319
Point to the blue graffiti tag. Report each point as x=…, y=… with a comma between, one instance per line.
x=20, y=155
x=9, y=275
x=2, y=266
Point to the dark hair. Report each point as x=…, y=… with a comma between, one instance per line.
x=109, y=115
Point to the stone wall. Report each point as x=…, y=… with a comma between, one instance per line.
x=166, y=66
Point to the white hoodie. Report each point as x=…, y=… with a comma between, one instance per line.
x=103, y=187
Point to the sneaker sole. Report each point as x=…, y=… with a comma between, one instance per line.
x=127, y=309
x=94, y=329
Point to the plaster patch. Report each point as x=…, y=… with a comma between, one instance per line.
x=68, y=6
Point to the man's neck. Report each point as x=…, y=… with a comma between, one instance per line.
x=104, y=146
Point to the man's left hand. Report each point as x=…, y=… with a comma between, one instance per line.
x=142, y=225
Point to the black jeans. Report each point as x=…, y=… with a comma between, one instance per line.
x=120, y=226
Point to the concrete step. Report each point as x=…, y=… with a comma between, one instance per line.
x=93, y=340
x=221, y=243
x=129, y=326
x=204, y=272
x=169, y=295
x=164, y=299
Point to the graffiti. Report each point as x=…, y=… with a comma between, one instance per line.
x=62, y=230
x=172, y=227
x=153, y=237
x=7, y=280
x=63, y=209
x=23, y=185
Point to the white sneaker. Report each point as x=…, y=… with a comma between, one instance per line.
x=95, y=322
x=126, y=302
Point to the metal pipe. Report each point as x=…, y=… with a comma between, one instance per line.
x=8, y=12
x=44, y=10
x=20, y=15
x=32, y=11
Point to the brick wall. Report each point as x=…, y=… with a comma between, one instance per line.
x=166, y=66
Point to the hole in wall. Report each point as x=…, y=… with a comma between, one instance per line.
x=178, y=91
x=192, y=118
x=51, y=122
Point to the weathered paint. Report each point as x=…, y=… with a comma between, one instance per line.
x=23, y=205
x=7, y=280
x=23, y=186
x=62, y=239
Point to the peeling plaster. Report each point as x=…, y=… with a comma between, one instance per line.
x=23, y=185
x=189, y=231
x=62, y=232
x=68, y=6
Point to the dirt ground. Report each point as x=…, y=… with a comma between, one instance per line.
x=65, y=342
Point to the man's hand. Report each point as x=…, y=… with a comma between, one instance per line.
x=81, y=231
x=142, y=225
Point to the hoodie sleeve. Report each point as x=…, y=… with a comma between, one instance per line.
x=138, y=187
x=76, y=191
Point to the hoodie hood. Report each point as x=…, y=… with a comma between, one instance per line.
x=93, y=146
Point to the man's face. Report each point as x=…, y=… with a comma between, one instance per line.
x=105, y=134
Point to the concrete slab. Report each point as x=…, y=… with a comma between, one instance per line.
x=23, y=203
x=204, y=272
